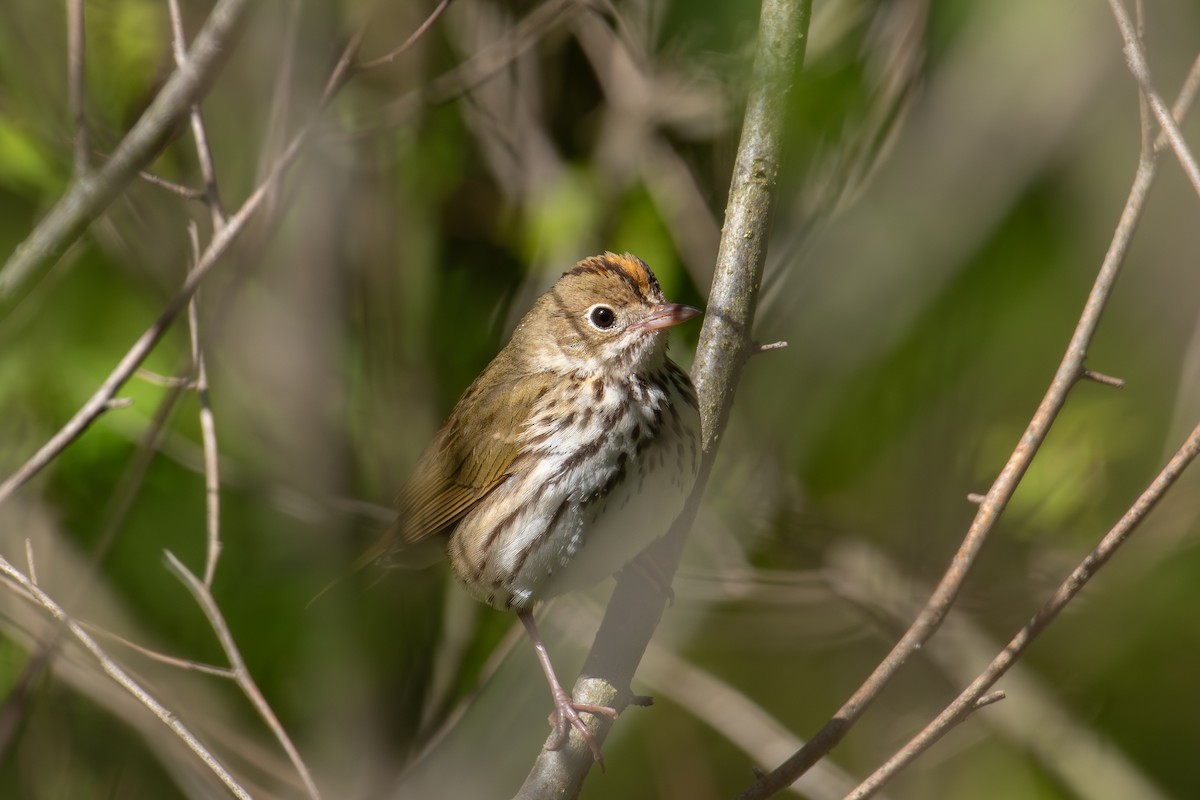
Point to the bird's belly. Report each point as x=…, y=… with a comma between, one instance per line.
x=564, y=526
x=604, y=537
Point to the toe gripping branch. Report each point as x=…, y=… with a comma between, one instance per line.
x=565, y=715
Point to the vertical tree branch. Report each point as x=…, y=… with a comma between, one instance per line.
x=208, y=427
x=76, y=81
x=203, y=153
x=638, y=603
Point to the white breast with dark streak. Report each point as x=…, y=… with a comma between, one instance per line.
x=607, y=490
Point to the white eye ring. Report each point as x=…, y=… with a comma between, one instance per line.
x=602, y=317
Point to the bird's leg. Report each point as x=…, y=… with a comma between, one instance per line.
x=566, y=711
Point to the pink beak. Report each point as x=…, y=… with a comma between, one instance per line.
x=667, y=314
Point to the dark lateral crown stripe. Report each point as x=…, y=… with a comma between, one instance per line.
x=626, y=266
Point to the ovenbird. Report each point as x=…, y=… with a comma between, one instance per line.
x=572, y=451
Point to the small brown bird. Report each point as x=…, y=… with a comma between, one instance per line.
x=573, y=449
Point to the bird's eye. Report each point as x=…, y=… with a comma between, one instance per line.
x=602, y=317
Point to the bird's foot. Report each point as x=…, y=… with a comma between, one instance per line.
x=566, y=716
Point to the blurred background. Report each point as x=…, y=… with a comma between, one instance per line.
x=952, y=177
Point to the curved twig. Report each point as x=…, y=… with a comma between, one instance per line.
x=477, y=69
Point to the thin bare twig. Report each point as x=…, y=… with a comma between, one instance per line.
x=344, y=68
x=1034, y=718
x=208, y=433
x=122, y=678
x=1183, y=103
x=186, y=192
x=1067, y=590
x=241, y=674
x=637, y=603
x=76, y=82
x=991, y=697
x=162, y=658
x=88, y=196
x=1136, y=59
x=1070, y=370
x=1101, y=378
x=480, y=67
x=166, y=381
x=103, y=398
x=29, y=561
x=739, y=719
x=438, y=10
x=203, y=153
x=759, y=349
x=1145, y=114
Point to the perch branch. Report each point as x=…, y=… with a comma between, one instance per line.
x=725, y=342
